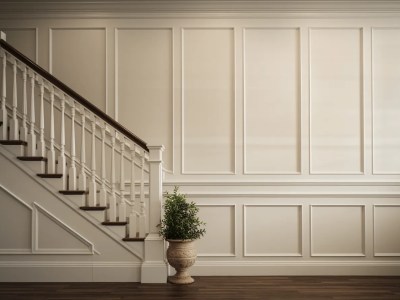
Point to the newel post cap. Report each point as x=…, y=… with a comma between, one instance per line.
x=155, y=152
x=2, y=35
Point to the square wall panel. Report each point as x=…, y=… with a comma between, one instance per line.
x=219, y=239
x=337, y=230
x=386, y=230
x=272, y=230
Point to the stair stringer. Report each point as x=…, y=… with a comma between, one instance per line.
x=113, y=254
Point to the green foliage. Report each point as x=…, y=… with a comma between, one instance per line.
x=180, y=220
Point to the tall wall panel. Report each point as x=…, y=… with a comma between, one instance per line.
x=386, y=105
x=82, y=49
x=208, y=101
x=272, y=100
x=336, y=101
x=144, y=85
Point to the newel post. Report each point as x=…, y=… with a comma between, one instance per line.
x=154, y=267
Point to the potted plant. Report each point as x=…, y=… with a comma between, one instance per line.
x=181, y=227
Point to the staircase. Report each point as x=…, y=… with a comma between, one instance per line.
x=85, y=156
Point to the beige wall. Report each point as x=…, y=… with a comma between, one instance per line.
x=284, y=130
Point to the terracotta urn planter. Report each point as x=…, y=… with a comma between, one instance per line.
x=181, y=255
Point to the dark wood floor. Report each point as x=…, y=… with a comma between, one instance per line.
x=268, y=288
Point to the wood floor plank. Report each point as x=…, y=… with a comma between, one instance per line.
x=221, y=288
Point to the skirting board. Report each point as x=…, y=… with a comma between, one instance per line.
x=33, y=271
x=258, y=268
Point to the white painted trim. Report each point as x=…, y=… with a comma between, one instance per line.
x=36, y=230
x=295, y=267
x=67, y=201
x=235, y=222
x=104, y=29
x=3, y=37
x=234, y=100
x=289, y=195
x=280, y=183
x=380, y=254
x=116, y=80
x=197, y=8
x=299, y=115
x=363, y=246
x=301, y=221
x=16, y=197
x=362, y=101
x=374, y=29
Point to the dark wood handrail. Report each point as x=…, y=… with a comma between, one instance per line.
x=74, y=95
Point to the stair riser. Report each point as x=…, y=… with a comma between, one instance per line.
x=36, y=166
x=119, y=230
x=79, y=200
x=57, y=183
x=16, y=150
x=98, y=215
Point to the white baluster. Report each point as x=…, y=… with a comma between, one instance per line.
x=61, y=167
x=133, y=218
x=41, y=144
x=142, y=215
x=14, y=135
x=3, y=100
x=24, y=127
x=103, y=192
x=72, y=170
x=122, y=203
x=112, y=213
x=82, y=174
x=133, y=185
x=31, y=135
x=51, y=154
x=92, y=184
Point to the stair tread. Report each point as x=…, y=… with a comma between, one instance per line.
x=72, y=192
x=32, y=158
x=107, y=223
x=53, y=175
x=133, y=239
x=13, y=142
x=93, y=208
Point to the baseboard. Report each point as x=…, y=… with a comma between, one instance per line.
x=35, y=271
x=320, y=268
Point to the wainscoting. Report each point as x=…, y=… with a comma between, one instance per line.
x=283, y=129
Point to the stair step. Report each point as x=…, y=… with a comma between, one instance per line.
x=114, y=223
x=32, y=158
x=75, y=192
x=91, y=208
x=13, y=142
x=45, y=175
x=131, y=239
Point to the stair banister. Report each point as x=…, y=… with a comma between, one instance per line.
x=143, y=216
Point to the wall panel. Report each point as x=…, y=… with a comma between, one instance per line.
x=23, y=39
x=219, y=239
x=336, y=109
x=386, y=230
x=337, y=230
x=272, y=100
x=144, y=85
x=208, y=101
x=264, y=227
x=386, y=105
x=78, y=58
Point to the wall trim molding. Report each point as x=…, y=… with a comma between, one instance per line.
x=184, y=9
x=299, y=268
x=7, y=155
